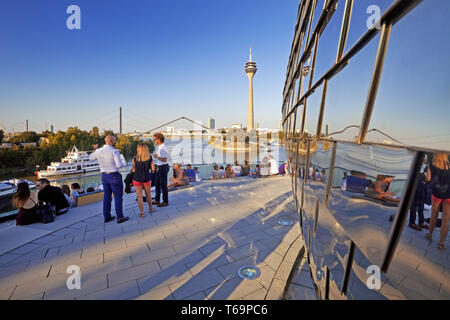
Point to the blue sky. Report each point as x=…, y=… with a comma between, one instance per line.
x=160, y=60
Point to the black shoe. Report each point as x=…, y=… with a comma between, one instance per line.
x=164, y=204
x=123, y=219
x=110, y=219
x=155, y=202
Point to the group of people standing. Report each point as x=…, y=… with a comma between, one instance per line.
x=144, y=166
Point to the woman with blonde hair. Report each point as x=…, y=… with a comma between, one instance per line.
x=142, y=164
x=438, y=173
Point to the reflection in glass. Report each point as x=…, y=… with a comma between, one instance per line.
x=413, y=99
x=376, y=177
x=419, y=268
x=347, y=94
x=362, y=12
x=328, y=42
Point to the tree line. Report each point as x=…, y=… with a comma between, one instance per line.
x=52, y=147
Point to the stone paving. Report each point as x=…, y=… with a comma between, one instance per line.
x=191, y=249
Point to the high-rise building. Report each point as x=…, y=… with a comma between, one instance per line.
x=211, y=123
x=250, y=70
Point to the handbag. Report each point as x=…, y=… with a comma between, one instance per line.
x=128, y=182
x=46, y=212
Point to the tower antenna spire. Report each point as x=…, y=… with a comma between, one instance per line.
x=250, y=54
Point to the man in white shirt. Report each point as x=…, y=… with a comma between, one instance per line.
x=237, y=169
x=110, y=162
x=161, y=157
x=273, y=166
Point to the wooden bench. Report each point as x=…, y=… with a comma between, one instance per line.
x=87, y=198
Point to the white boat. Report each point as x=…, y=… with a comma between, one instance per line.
x=75, y=162
x=9, y=187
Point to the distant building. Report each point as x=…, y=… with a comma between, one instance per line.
x=52, y=129
x=211, y=123
x=236, y=126
x=170, y=129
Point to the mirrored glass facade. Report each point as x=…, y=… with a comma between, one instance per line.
x=366, y=120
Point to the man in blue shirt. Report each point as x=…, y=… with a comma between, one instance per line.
x=192, y=175
x=110, y=163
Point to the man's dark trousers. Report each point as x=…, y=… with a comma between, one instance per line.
x=161, y=183
x=112, y=183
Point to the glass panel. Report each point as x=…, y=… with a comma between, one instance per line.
x=413, y=100
x=347, y=94
x=419, y=268
x=328, y=42
x=361, y=17
x=370, y=194
x=312, y=111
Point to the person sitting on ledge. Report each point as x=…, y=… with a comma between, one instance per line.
x=282, y=169
x=380, y=189
x=27, y=203
x=245, y=169
x=236, y=169
x=76, y=190
x=191, y=173
x=197, y=175
x=256, y=173
x=179, y=177
x=229, y=173
x=52, y=195
x=66, y=189
x=216, y=173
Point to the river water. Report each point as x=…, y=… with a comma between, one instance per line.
x=197, y=151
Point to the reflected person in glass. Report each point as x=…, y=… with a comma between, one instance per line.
x=439, y=174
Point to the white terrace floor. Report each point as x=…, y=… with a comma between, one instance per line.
x=191, y=249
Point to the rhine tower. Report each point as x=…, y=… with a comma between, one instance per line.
x=250, y=70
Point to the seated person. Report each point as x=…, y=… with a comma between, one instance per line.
x=66, y=190
x=256, y=173
x=229, y=173
x=245, y=169
x=236, y=169
x=344, y=182
x=76, y=191
x=52, y=195
x=380, y=189
x=197, y=175
x=222, y=170
x=191, y=173
x=27, y=203
x=179, y=177
x=282, y=168
x=322, y=177
x=216, y=173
